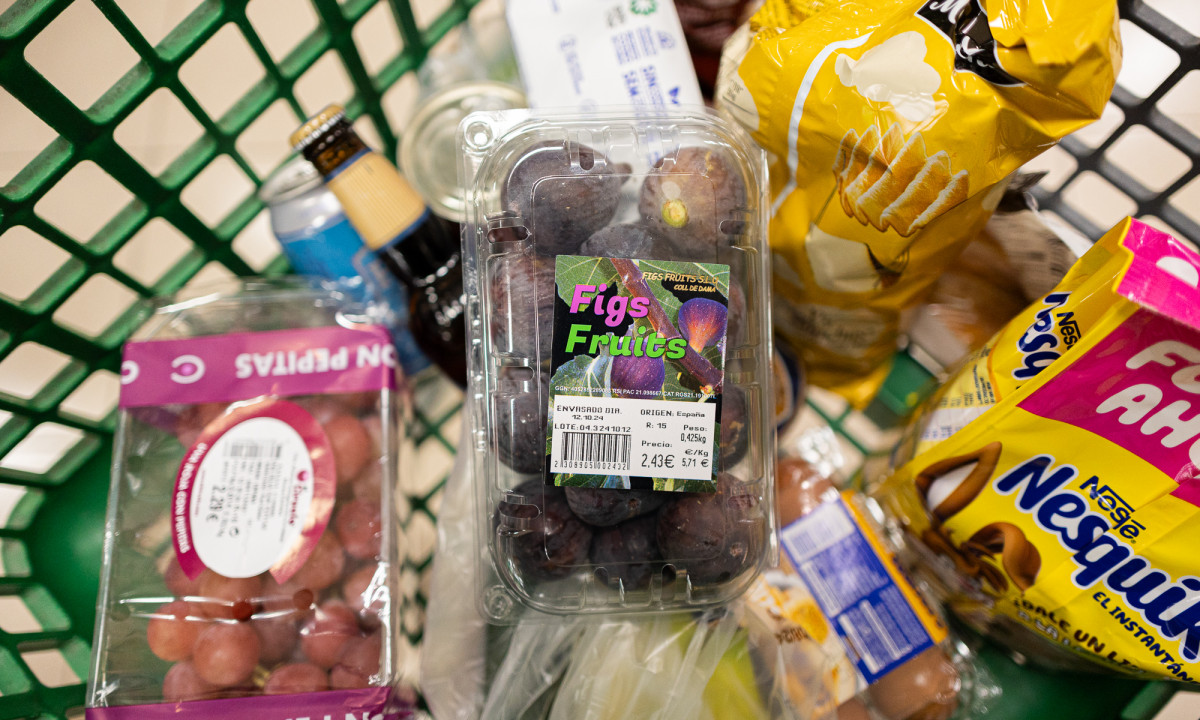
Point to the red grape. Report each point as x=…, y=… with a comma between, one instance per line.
x=359, y=593
x=369, y=485
x=360, y=402
x=192, y=421
x=226, y=653
x=180, y=585
x=360, y=529
x=373, y=424
x=358, y=662
x=351, y=445
x=323, y=567
x=361, y=654
x=277, y=637
x=286, y=598
x=171, y=634
x=229, y=598
x=325, y=634
x=296, y=678
x=342, y=679
x=183, y=683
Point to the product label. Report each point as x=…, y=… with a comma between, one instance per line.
x=254, y=493
x=1071, y=506
x=225, y=368
x=1138, y=388
x=638, y=366
x=376, y=703
x=871, y=606
x=589, y=54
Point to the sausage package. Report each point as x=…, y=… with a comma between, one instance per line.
x=250, y=558
x=894, y=125
x=1053, y=486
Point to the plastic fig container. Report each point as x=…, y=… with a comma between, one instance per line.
x=251, y=545
x=616, y=271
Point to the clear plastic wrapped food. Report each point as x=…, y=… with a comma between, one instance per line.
x=251, y=549
x=621, y=360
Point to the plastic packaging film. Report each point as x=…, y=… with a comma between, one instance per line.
x=894, y=125
x=251, y=561
x=1053, y=490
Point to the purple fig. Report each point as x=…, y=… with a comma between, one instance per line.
x=735, y=430
x=714, y=536
x=702, y=322
x=522, y=303
x=603, y=507
x=553, y=540
x=687, y=197
x=628, y=551
x=637, y=377
x=563, y=199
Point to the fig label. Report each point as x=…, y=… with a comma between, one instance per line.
x=637, y=373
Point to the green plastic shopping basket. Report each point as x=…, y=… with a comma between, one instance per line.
x=62, y=320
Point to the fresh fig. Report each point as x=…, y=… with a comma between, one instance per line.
x=702, y=322
x=713, y=536
x=637, y=377
x=628, y=551
x=521, y=428
x=603, y=507
x=563, y=200
x=687, y=198
x=522, y=288
x=554, y=540
x=623, y=241
x=735, y=427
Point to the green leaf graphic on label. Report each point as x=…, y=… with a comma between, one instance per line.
x=572, y=271
x=673, y=386
x=583, y=376
x=674, y=485
x=714, y=355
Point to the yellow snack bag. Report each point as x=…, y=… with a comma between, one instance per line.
x=1065, y=517
x=894, y=124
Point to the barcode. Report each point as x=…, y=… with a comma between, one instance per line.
x=595, y=451
x=250, y=449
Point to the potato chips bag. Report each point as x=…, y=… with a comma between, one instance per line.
x=1064, y=516
x=894, y=124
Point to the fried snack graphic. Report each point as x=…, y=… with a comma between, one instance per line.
x=951, y=485
x=891, y=182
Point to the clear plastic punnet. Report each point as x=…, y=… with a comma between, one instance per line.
x=250, y=557
x=618, y=307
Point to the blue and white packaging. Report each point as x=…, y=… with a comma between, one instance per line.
x=587, y=54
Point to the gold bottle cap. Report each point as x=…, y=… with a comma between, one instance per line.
x=316, y=125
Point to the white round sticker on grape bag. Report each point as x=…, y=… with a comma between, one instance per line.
x=253, y=493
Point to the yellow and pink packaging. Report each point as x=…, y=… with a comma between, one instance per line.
x=1053, y=485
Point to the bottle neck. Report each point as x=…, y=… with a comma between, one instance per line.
x=389, y=215
x=378, y=201
x=426, y=255
x=335, y=149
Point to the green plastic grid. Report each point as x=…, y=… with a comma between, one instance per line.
x=52, y=516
